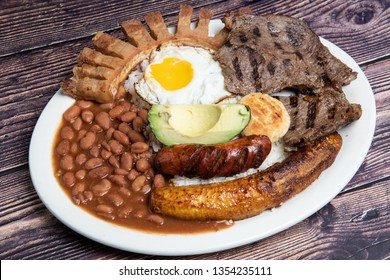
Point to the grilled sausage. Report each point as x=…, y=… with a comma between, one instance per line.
x=207, y=161
x=248, y=196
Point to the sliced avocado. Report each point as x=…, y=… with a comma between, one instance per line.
x=197, y=124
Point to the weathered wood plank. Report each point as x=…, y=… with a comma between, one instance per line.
x=352, y=226
x=31, y=24
x=350, y=25
x=376, y=164
x=28, y=81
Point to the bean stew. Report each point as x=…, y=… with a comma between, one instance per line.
x=103, y=158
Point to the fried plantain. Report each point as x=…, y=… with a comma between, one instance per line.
x=248, y=196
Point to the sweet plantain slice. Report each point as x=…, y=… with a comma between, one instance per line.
x=250, y=195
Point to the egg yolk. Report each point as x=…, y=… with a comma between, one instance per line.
x=172, y=73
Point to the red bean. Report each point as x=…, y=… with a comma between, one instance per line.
x=138, y=183
x=125, y=191
x=69, y=179
x=126, y=105
x=103, y=208
x=101, y=188
x=106, y=146
x=96, y=128
x=80, y=175
x=67, y=133
x=146, y=189
x=115, y=199
x=139, y=147
x=118, y=180
x=87, y=141
x=116, y=147
x=95, y=151
x=80, y=159
x=93, y=163
x=88, y=195
x=66, y=163
x=121, y=137
x=143, y=113
x=128, y=117
x=114, y=161
x=132, y=174
x=110, y=132
x=107, y=106
x=81, y=134
x=156, y=219
x=124, y=127
x=63, y=147
x=135, y=136
x=99, y=172
x=72, y=113
x=116, y=111
x=78, y=188
x=138, y=124
x=120, y=171
x=126, y=161
x=87, y=116
x=103, y=120
x=158, y=181
x=74, y=148
x=105, y=154
x=77, y=124
x=84, y=104
x=142, y=165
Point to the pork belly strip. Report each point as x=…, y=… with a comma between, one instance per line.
x=316, y=116
x=268, y=53
x=250, y=195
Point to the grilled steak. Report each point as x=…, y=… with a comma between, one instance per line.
x=272, y=52
x=316, y=116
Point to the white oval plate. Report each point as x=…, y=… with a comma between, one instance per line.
x=357, y=138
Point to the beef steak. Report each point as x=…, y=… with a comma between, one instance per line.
x=271, y=52
x=316, y=116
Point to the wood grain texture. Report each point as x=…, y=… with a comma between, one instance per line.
x=376, y=165
x=352, y=25
x=42, y=41
x=352, y=226
x=34, y=24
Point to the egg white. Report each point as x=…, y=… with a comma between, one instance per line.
x=206, y=86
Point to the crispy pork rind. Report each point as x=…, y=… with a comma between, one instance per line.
x=101, y=71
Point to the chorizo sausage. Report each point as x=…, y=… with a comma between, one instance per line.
x=216, y=160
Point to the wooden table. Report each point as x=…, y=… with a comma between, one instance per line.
x=39, y=44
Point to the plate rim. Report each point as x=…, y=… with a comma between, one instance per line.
x=215, y=241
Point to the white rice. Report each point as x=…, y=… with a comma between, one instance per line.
x=134, y=78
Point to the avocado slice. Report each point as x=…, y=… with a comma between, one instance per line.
x=198, y=123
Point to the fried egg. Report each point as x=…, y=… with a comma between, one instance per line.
x=182, y=75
